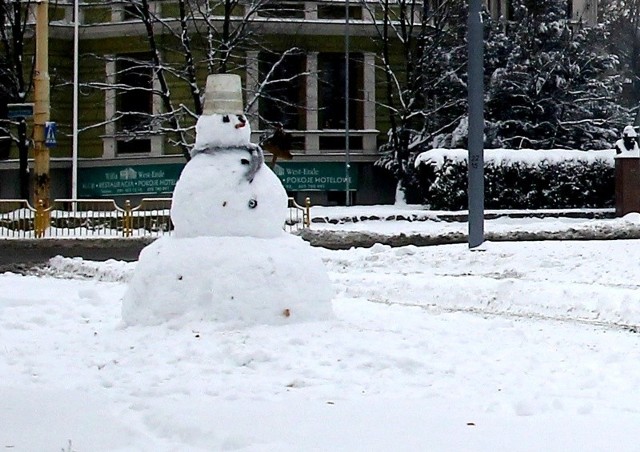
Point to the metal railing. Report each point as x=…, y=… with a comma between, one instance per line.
x=104, y=218
x=17, y=218
x=299, y=216
x=150, y=218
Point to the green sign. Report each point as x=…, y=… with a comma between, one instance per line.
x=101, y=182
x=15, y=111
x=320, y=176
x=107, y=181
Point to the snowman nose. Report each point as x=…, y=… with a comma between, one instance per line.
x=242, y=122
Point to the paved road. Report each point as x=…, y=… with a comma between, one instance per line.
x=21, y=253
x=29, y=252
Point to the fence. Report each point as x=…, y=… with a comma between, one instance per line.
x=104, y=218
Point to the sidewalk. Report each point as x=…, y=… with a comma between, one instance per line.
x=353, y=214
x=344, y=227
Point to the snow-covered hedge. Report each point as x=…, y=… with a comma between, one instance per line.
x=520, y=179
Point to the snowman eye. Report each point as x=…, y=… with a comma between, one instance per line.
x=241, y=119
x=225, y=118
x=244, y=161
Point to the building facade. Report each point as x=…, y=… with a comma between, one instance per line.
x=118, y=159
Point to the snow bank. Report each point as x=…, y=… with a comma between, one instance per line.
x=529, y=156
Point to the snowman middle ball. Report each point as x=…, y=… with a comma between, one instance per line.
x=213, y=198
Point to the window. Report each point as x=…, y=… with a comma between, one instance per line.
x=134, y=146
x=131, y=12
x=331, y=91
x=134, y=104
x=282, y=10
x=283, y=97
x=339, y=198
x=500, y=9
x=494, y=8
x=337, y=12
x=336, y=143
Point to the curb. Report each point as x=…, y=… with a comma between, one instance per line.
x=38, y=251
x=340, y=240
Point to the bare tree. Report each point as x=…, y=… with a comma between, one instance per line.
x=414, y=37
x=208, y=33
x=15, y=82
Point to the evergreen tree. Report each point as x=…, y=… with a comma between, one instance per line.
x=557, y=88
x=621, y=19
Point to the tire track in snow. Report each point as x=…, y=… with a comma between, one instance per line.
x=513, y=315
x=608, y=305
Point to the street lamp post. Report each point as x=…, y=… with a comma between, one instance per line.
x=74, y=160
x=347, y=159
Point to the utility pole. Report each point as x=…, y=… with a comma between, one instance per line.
x=347, y=156
x=41, y=105
x=476, y=124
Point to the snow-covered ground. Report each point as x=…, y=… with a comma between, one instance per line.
x=518, y=346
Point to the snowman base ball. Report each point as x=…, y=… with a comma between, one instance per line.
x=233, y=281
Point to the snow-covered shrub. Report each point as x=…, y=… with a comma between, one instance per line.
x=520, y=179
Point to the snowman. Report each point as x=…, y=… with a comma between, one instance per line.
x=229, y=261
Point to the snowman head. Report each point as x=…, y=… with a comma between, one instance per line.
x=222, y=130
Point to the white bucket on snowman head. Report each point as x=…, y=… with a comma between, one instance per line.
x=223, y=95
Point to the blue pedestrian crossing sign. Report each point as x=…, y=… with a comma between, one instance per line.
x=50, y=129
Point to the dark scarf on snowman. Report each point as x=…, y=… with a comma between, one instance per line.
x=255, y=160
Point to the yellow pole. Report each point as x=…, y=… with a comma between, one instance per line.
x=41, y=104
x=127, y=220
x=41, y=108
x=307, y=212
x=39, y=224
